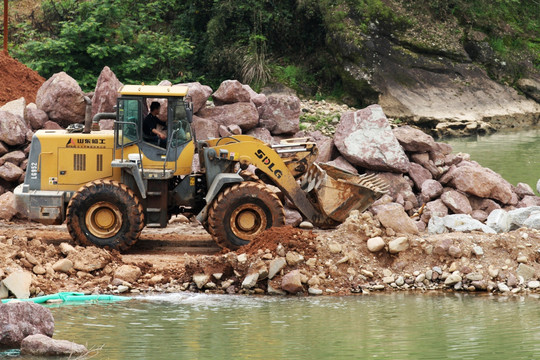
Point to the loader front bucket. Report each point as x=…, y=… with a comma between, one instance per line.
x=338, y=192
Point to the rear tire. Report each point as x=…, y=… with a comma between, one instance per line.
x=106, y=214
x=242, y=212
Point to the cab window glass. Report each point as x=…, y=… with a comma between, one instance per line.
x=129, y=117
x=181, y=129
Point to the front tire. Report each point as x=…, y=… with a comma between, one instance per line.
x=106, y=214
x=242, y=212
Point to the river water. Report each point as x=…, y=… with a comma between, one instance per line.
x=381, y=326
x=513, y=154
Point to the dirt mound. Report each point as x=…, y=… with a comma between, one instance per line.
x=290, y=238
x=17, y=80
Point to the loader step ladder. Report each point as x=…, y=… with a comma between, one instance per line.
x=156, y=204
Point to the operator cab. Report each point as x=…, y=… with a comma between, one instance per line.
x=133, y=107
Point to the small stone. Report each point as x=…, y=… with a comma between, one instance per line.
x=502, y=287
x=511, y=281
x=225, y=284
x=280, y=250
x=306, y=225
x=63, y=265
x=453, y=267
x=276, y=266
x=387, y=272
x=493, y=272
x=420, y=278
x=366, y=273
x=272, y=291
x=242, y=258
x=66, y=248
x=398, y=245
x=314, y=291
x=19, y=284
x=342, y=260
x=400, y=281
x=522, y=259
x=474, y=277
x=375, y=244
x=39, y=270
x=210, y=285
x=477, y=250
x=250, y=280
x=525, y=271
x=454, y=251
x=293, y=258
x=437, y=269
x=533, y=284
x=429, y=275
x=452, y=279
x=200, y=279
x=334, y=248
x=311, y=262
x=31, y=259
x=378, y=287
x=217, y=276
x=388, y=279
x=122, y=288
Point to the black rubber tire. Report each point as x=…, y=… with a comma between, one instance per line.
x=117, y=202
x=247, y=200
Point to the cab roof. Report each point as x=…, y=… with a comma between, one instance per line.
x=153, y=90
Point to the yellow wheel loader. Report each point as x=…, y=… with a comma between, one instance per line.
x=109, y=184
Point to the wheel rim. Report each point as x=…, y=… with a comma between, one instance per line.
x=248, y=221
x=103, y=219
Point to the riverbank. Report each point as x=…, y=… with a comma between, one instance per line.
x=284, y=261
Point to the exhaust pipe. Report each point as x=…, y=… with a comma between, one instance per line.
x=87, y=115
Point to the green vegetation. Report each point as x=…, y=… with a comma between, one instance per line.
x=303, y=44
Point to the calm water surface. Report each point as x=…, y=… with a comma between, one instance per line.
x=391, y=326
x=515, y=155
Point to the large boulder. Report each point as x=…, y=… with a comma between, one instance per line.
x=90, y=259
x=21, y=319
x=399, y=187
x=106, y=92
x=419, y=175
x=261, y=134
x=10, y=172
x=205, y=128
x=7, y=206
x=198, y=93
x=365, y=139
x=281, y=114
x=36, y=118
x=457, y=202
x=13, y=129
x=414, y=140
x=129, y=273
x=41, y=345
x=243, y=114
x=482, y=182
x=393, y=216
x=16, y=107
x=229, y=92
x=257, y=99
x=342, y=163
x=62, y=99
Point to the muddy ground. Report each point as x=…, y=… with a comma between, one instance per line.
x=183, y=257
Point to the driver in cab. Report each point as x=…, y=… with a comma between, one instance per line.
x=150, y=126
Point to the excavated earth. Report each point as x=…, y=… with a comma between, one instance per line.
x=183, y=257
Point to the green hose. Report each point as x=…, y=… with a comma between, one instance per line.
x=71, y=297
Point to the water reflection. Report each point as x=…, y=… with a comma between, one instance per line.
x=393, y=326
x=513, y=154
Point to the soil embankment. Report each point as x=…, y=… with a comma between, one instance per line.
x=17, y=80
